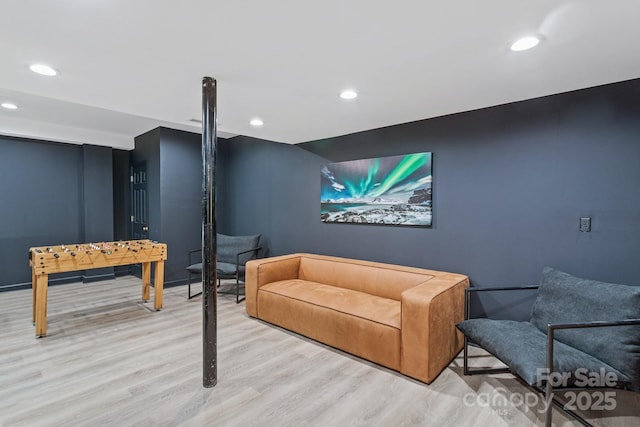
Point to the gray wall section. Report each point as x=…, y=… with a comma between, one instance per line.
x=174, y=168
x=181, y=194
x=97, y=202
x=122, y=195
x=223, y=196
x=510, y=183
x=121, y=202
x=61, y=193
x=51, y=193
x=274, y=190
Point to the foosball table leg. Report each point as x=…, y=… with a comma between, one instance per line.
x=158, y=285
x=146, y=281
x=34, y=289
x=42, y=283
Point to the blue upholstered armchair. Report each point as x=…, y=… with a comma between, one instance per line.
x=577, y=327
x=233, y=254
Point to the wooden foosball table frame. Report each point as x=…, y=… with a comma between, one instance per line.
x=63, y=258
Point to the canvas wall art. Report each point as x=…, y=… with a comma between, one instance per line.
x=392, y=190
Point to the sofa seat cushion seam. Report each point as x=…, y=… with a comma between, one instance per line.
x=331, y=308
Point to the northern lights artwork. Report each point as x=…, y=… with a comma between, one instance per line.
x=392, y=190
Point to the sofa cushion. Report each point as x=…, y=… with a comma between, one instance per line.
x=229, y=246
x=563, y=298
x=384, y=280
x=523, y=347
x=351, y=321
x=369, y=307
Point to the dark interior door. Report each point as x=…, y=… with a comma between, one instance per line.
x=140, y=202
x=139, y=206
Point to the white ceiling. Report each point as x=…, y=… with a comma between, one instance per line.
x=128, y=66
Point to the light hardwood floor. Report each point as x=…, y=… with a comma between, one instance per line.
x=111, y=360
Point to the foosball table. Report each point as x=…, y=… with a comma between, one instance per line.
x=63, y=258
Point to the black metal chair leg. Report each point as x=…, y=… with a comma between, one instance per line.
x=189, y=289
x=238, y=300
x=465, y=357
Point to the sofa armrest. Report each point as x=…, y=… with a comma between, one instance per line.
x=429, y=338
x=259, y=272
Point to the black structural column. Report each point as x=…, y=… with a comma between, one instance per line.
x=209, y=246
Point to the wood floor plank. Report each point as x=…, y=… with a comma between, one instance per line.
x=110, y=359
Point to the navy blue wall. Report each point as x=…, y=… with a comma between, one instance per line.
x=174, y=170
x=181, y=198
x=274, y=190
x=54, y=193
x=510, y=183
x=51, y=193
x=97, y=202
x=121, y=201
x=122, y=195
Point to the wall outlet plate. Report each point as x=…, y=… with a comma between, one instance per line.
x=585, y=224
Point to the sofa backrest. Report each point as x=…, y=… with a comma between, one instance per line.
x=229, y=246
x=563, y=298
x=384, y=280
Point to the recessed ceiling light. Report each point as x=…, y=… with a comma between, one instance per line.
x=9, y=106
x=43, y=69
x=348, y=94
x=256, y=122
x=525, y=43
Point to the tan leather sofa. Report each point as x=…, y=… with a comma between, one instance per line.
x=400, y=317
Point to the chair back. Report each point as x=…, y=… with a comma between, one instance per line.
x=563, y=298
x=229, y=246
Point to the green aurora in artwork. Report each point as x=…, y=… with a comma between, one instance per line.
x=387, y=190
